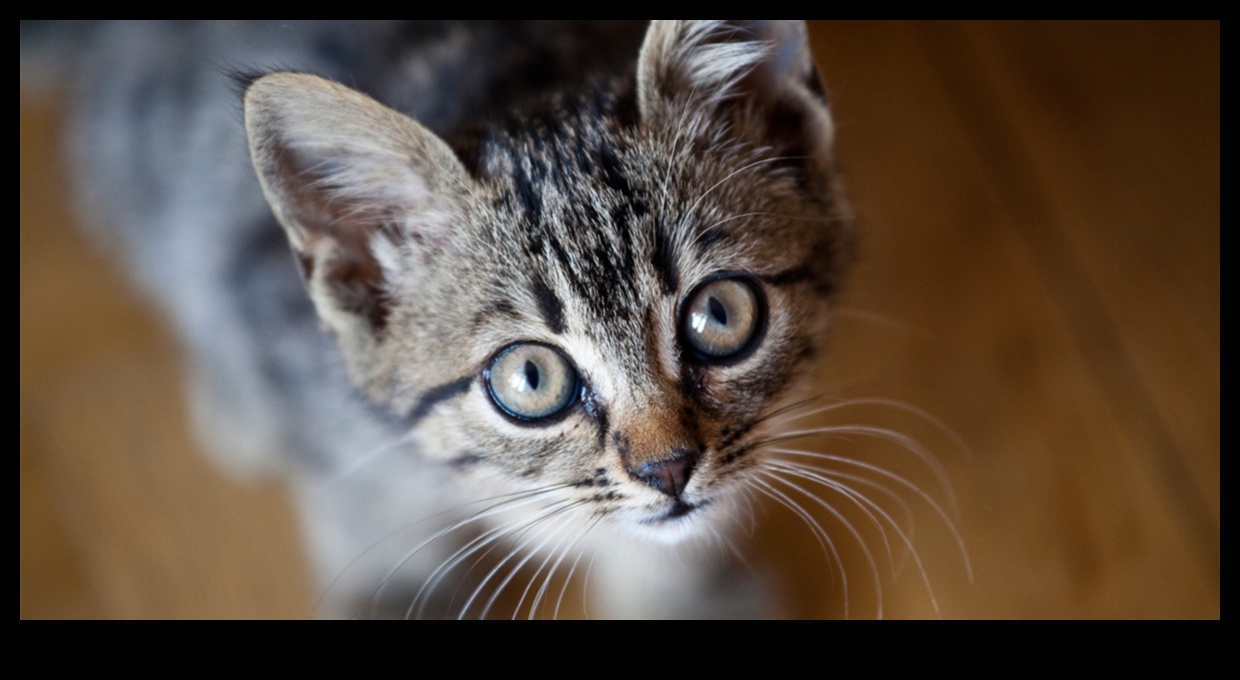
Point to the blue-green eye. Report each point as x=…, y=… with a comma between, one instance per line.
x=721, y=318
x=531, y=381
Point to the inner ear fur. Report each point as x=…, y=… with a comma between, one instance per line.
x=361, y=191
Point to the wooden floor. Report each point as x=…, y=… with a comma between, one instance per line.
x=1040, y=273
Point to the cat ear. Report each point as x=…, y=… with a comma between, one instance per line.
x=754, y=79
x=353, y=183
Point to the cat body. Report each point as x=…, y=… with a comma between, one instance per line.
x=545, y=296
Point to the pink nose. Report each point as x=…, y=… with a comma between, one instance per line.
x=670, y=475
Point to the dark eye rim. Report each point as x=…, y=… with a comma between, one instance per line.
x=578, y=390
x=759, y=334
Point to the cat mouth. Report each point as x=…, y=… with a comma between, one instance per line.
x=678, y=510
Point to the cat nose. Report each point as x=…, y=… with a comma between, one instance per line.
x=670, y=475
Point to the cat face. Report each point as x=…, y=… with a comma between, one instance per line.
x=602, y=298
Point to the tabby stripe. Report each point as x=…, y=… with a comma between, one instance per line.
x=733, y=456
x=664, y=265
x=435, y=395
x=789, y=276
x=600, y=418
x=531, y=201
x=549, y=305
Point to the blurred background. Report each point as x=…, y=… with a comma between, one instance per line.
x=1037, y=304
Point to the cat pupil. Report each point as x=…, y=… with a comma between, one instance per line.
x=718, y=311
x=531, y=375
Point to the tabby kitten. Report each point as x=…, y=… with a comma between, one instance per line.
x=566, y=315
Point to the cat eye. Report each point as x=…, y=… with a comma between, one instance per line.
x=722, y=318
x=529, y=381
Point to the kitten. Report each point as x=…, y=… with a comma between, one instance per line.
x=563, y=292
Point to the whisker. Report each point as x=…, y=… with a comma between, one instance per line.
x=522, y=547
x=905, y=510
x=555, y=553
x=517, y=533
x=585, y=588
x=466, y=551
x=361, y=462
x=824, y=541
x=884, y=320
x=498, y=507
x=908, y=443
x=869, y=556
x=568, y=579
x=785, y=409
x=749, y=508
x=809, y=474
x=884, y=489
x=832, y=477
x=812, y=474
x=555, y=567
x=938, y=510
x=943, y=428
x=488, y=538
x=826, y=478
